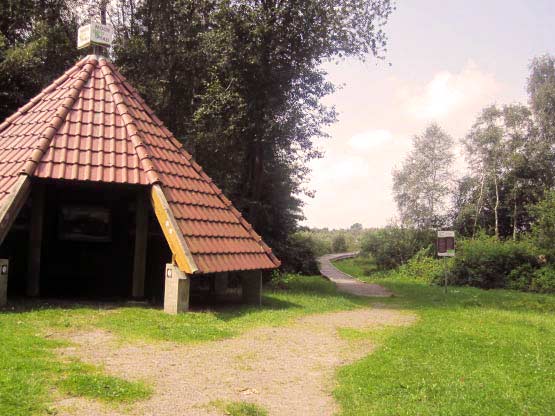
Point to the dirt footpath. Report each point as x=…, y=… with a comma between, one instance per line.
x=287, y=370
x=346, y=283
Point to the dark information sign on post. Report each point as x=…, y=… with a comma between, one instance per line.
x=446, y=243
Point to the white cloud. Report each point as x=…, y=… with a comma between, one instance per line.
x=353, y=181
x=369, y=139
x=333, y=169
x=448, y=92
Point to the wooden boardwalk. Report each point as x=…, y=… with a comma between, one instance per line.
x=346, y=283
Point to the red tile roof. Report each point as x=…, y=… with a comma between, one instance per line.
x=91, y=125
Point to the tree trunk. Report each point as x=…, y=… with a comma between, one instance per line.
x=515, y=213
x=496, y=205
x=479, y=205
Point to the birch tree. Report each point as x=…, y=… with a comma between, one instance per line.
x=422, y=185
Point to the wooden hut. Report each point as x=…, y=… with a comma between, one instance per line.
x=97, y=195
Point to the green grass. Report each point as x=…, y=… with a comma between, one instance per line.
x=239, y=408
x=303, y=295
x=357, y=266
x=30, y=368
x=471, y=352
x=105, y=388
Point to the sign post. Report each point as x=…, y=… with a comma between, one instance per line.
x=445, y=248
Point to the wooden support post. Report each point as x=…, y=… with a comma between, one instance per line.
x=251, y=282
x=35, y=239
x=141, y=237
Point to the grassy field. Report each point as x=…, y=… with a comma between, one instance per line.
x=472, y=352
x=31, y=373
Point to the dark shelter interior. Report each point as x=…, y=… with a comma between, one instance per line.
x=88, y=244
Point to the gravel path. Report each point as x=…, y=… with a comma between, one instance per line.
x=346, y=283
x=287, y=370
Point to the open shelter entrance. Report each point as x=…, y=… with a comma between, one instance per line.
x=85, y=243
x=99, y=199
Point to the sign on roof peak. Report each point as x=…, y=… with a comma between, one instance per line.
x=94, y=34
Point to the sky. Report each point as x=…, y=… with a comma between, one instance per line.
x=446, y=60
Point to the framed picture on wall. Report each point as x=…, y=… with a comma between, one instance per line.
x=85, y=223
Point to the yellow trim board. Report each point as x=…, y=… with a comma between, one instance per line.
x=171, y=231
x=13, y=204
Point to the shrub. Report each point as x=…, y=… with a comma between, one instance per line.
x=393, y=246
x=424, y=266
x=299, y=256
x=489, y=263
x=521, y=277
x=543, y=280
x=543, y=230
x=339, y=244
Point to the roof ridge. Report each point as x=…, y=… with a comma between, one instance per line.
x=59, y=117
x=196, y=166
x=111, y=78
x=35, y=100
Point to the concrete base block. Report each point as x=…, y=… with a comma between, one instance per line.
x=251, y=283
x=176, y=291
x=4, y=267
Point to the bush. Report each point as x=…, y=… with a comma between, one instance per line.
x=299, y=256
x=339, y=244
x=543, y=280
x=543, y=230
x=489, y=263
x=393, y=246
x=425, y=266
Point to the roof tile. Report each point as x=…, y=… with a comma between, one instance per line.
x=91, y=125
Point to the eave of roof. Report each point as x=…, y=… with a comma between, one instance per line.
x=92, y=125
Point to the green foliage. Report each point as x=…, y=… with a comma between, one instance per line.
x=422, y=185
x=471, y=352
x=37, y=44
x=392, y=246
x=323, y=238
x=300, y=256
x=541, y=89
x=339, y=244
x=425, y=266
x=487, y=262
x=353, y=265
x=241, y=84
x=543, y=229
x=106, y=388
x=511, y=159
x=543, y=280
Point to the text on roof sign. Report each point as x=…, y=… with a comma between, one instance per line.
x=94, y=34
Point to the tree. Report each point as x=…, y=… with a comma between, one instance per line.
x=485, y=151
x=541, y=90
x=240, y=83
x=37, y=44
x=357, y=226
x=510, y=169
x=422, y=185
